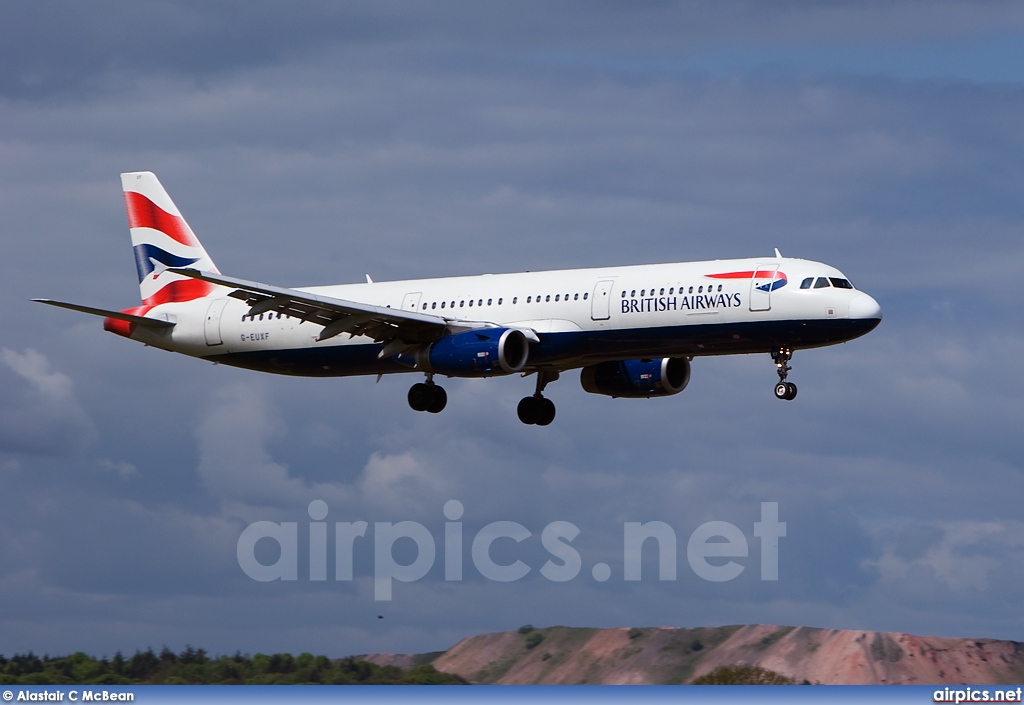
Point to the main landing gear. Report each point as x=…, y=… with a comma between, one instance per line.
x=427, y=396
x=784, y=390
x=538, y=410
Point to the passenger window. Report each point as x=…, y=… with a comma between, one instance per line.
x=548, y=297
x=642, y=292
x=840, y=283
x=529, y=299
x=489, y=301
x=662, y=293
x=806, y=283
x=442, y=304
x=471, y=303
x=261, y=316
x=632, y=294
x=433, y=305
x=424, y=307
x=515, y=299
x=700, y=290
x=576, y=297
x=691, y=289
x=585, y=296
x=556, y=297
x=719, y=287
x=822, y=283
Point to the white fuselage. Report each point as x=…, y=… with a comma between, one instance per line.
x=580, y=315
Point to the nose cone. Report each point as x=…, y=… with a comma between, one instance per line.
x=864, y=307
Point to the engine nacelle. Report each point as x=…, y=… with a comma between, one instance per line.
x=482, y=352
x=637, y=378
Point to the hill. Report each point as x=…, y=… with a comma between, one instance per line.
x=672, y=655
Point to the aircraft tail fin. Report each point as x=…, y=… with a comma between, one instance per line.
x=162, y=239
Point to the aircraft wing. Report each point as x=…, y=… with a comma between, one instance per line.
x=337, y=316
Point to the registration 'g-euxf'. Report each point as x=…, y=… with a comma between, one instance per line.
x=631, y=331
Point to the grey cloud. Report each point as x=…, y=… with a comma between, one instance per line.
x=316, y=144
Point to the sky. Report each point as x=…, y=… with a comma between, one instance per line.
x=314, y=143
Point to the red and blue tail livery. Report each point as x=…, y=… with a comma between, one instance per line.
x=631, y=331
x=162, y=240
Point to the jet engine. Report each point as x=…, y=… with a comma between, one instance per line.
x=637, y=378
x=482, y=352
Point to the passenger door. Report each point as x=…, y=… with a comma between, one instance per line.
x=600, y=305
x=761, y=284
x=212, y=325
x=411, y=302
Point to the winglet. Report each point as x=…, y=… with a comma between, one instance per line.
x=777, y=253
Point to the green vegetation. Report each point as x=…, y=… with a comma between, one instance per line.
x=774, y=637
x=636, y=633
x=681, y=650
x=526, y=629
x=194, y=666
x=883, y=648
x=492, y=672
x=534, y=639
x=742, y=675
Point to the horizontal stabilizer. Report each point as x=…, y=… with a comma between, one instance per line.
x=137, y=320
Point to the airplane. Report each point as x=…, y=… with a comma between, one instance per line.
x=632, y=331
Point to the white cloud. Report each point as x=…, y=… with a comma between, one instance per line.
x=33, y=366
x=44, y=416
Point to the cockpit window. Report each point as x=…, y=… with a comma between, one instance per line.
x=822, y=283
x=840, y=283
x=806, y=283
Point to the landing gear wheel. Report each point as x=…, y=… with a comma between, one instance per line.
x=547, y=412
x=420, y=396
x=537, y=410
x=427, y=396
x=783, y=390
x=439, y=400
x=529, y=410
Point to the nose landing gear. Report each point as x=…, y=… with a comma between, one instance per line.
x=427, y=396
x=784, y=390
x=538, y=410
